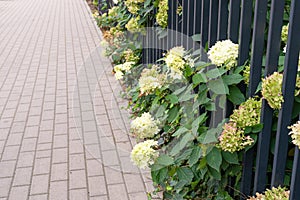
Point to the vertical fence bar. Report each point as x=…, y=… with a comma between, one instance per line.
x=185, y=22
x=263, y=142
x=245, y=31
x=234, y=19
x=244, y=48
x=288, y=90
x=223, y=20
x=213, y=22
x=204, y=22
x=178, y=23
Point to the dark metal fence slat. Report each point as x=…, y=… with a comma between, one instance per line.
x=245, y=31
x=223, y=20
x=234, y=20
x=213, y=22
x=288, y=85
x=244, y=48
x=204, y=22
x=255, y=77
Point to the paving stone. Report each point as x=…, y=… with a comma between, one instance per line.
x=52, y=139
x=58, y=190
x=19, y=192
x=39, y=184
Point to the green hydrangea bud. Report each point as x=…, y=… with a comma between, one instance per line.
x=248, y=113
x=284, y=33
x=271, y=90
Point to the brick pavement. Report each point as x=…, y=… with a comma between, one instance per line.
x=62, y=134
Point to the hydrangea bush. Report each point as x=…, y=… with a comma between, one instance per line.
x=188, y=158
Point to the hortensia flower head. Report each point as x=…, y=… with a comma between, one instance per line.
x=122, y=68
x=151, y=80
x=246, y=74
x=133, y=25
x=143, y=155
x=162, y=14
x=271, y=90
x=175, y=61
x=224, y=53
x=130, y=56
x=233, y=139
x=133, y=6
x=144, y=126
x=295, y=133
x=248, y=113
x=284, y=33
x=273, y=194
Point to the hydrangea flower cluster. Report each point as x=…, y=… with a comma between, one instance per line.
x=273, y=194
x=295, y=133
x=175, y=60
x=284, y=33
x=143, y=155
x=133, y=5
x=248, y=113
x=162, y=14
x=246, y=74
x=271, y=90
x=113, y=35
x=133, y=25
x=130, y=56
x=224, y=53
x=122, y=68
x=113, y=12
x=233, y=139
x=144, y=127
x=151, y=80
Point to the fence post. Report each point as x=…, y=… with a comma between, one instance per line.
x=288, y=90
x=255, y=77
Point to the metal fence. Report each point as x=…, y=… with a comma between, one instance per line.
x=244, y=22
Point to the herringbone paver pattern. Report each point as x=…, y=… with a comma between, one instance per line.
x=62, y=134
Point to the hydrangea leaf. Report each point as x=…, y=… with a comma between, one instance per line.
x=218, y=86
x=195, y=155
x=231, y=158
x=232, y=79
x=214, y=159
x=185, y=174
x=235, y=95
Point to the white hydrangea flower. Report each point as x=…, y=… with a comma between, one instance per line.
x=295, y=133
x=144, y=127
x=175, y=61
x=224, y=53
x=150, y=80
x=119, y=75
x=143, y=155
x=122, y=68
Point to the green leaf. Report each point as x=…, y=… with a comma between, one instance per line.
x=180, y=131
x=196, y=123
x=185, y=174
x=217, y=86
x=195, y=155
x=210, y=137
x=164, y=160
x=173, y=113
x=215, y=73
x=214, y=173
x=232, y=79
x=182, y=143
x=172, y=98
x=214, y=159
x=231, y=158
x=235, y=95
x=196, y=37
x=199, y=78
